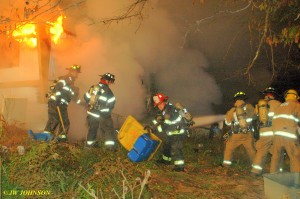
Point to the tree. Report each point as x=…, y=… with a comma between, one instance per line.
x=275, y=29
x=277, y=23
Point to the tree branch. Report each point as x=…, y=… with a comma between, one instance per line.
x=219, y=13
x=262, y=39
x=133, y=11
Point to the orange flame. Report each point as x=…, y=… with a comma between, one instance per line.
x=26, y=34
x=56, y=29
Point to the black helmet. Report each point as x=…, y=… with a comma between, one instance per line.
x=240, y=96
x=270, y=90
x=109, y=77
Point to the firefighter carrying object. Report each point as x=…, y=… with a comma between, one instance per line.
x=142, y=145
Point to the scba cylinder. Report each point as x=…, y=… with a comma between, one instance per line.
x=263, y=111
x=241, y=117
x=183, y=112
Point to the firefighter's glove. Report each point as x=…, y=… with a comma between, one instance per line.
x=59, y=102
x=160, y=119
x=76, y=92
x=227, y=135
x=148, y=129
x=190, y=123
x=79, y=102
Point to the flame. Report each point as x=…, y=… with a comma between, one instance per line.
x=56, y=29
x=26, y=34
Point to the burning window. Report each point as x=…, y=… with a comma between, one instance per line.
x=26, y=34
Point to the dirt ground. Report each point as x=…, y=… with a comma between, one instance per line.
x=210, y=180
x=215, y=185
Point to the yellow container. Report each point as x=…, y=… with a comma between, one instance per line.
x=130, y=131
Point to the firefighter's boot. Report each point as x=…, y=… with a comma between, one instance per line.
x=178, y=169
x=30, y=134
x=62, y=138
x=162, y=161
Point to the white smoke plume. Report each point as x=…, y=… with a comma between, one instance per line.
x=132, y=52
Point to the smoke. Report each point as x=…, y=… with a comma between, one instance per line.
x=132, y=51
x=155, y=45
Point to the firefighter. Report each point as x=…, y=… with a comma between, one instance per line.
x=170, y=128
x=239, y=118
x=285, y=123
x=101, y=101
x=61, y=92
x=265, y=111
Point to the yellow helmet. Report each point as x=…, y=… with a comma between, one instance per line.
x=291, y=94
x=240, y=96
x=75, y=68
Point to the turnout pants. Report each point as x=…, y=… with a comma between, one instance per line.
x=54, y=119
x=292, y=148
x=235, y=141
x=172, y=149
x=106, y=126
x=263, y=147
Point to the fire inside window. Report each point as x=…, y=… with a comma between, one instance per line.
x=26, y=33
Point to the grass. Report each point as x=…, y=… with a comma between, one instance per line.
x=72, y=171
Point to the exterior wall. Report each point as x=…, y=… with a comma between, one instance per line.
x=23, y=88
x=28, y=69
x=20, y=106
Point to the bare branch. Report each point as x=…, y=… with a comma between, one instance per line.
x=91, y=193
x=144, y=182
x=47, y=10
x=262, y=39
x=298, y=16
x=220, y=13
x=272, y=61
x=30, y=15
x=133, y=11
x=230, y=45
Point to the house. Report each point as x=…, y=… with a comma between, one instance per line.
x=24, y=82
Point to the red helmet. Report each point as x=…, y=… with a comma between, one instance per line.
x=159, y=98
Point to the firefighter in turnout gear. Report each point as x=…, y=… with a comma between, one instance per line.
x=61, y=92
x=171, y=129
x=239, y=118
x=101, y=101
x=285, y=124
x=265, y=111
